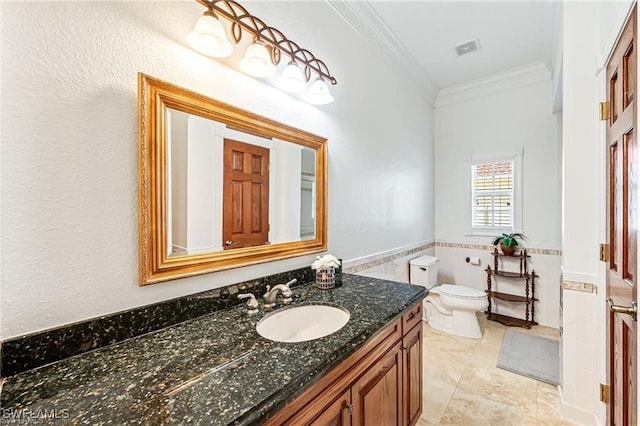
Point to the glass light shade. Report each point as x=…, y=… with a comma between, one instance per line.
x=208, y=37
x=318, y=93
x=292, y=80
x=257, y=62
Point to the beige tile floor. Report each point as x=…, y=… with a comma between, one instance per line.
x=463, y=386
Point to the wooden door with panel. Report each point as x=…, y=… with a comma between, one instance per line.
x=622, y=225
x=245, y=221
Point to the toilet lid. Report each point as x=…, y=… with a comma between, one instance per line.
x=461, y=291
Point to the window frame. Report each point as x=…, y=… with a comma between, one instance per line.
x=475, y=159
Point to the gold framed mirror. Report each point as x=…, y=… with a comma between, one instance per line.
x=221, y=187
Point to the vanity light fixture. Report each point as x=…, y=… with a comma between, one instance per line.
x=292, y=80
x=318, y=93
x=208, y=37
x=257, y=61
x=263, y=55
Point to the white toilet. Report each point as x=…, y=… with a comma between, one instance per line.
x=448, y=308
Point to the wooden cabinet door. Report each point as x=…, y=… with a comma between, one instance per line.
x=336, y=414
x=412, y=372
x=377, y=395
x=326, y=409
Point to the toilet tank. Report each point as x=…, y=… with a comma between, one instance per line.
x=423, y=271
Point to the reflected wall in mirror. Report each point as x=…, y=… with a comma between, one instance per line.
x=266, y=187
x=220, y=187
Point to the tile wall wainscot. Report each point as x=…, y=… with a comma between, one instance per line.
x=383, y=262
x=37, y=349
x=579, y=350
x=453, y=269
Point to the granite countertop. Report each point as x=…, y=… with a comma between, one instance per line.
x=213, y=370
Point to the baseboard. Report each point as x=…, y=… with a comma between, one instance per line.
x=575, y=414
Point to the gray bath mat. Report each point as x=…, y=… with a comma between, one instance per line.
x=531, y=356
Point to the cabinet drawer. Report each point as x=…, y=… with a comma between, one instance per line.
x=412, y=317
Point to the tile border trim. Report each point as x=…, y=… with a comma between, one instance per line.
x=581, y=287
x=367, y=262
x=489, y=247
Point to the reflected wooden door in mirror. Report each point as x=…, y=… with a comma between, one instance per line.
x=246, y=195
x=198, y=212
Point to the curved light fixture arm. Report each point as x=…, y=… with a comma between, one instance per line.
x=242, y=20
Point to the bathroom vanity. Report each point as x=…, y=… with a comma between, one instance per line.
x=217, y=370
x=381, y=383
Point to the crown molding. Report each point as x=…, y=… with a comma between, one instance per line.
x=366, y=22
x=516, y=78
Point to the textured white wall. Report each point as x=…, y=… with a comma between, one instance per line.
x=69, y=146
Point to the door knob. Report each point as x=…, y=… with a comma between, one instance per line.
x=230, y=243
x=631, y=310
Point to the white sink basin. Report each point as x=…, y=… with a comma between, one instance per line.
x=302, y=323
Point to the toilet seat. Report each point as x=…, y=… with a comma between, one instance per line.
x=460, y=292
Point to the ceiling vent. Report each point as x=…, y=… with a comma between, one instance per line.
x=467, y=47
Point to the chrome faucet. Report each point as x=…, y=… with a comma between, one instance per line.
x=269, y=298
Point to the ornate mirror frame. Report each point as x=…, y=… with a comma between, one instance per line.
x=154, y=97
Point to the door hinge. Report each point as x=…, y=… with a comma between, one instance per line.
x=604, y=111
x=350, y=409
x=604, y=393
x=604, y=252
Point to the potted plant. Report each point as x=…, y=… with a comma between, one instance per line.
x=508, y=242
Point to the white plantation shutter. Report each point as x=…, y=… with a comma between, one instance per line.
x=492, y=195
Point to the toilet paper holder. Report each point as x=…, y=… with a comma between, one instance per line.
x=472, y=260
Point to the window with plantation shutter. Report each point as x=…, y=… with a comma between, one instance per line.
x=492, y=195
x=494, y=200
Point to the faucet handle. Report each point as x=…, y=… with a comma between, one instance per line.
x=252, y=303
x=287, y=295
x=293, y=281
x=266, y=293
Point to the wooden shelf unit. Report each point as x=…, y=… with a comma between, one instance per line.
x=528, y=298
x=509, y=274
x=511, y=297
x=511, y=321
